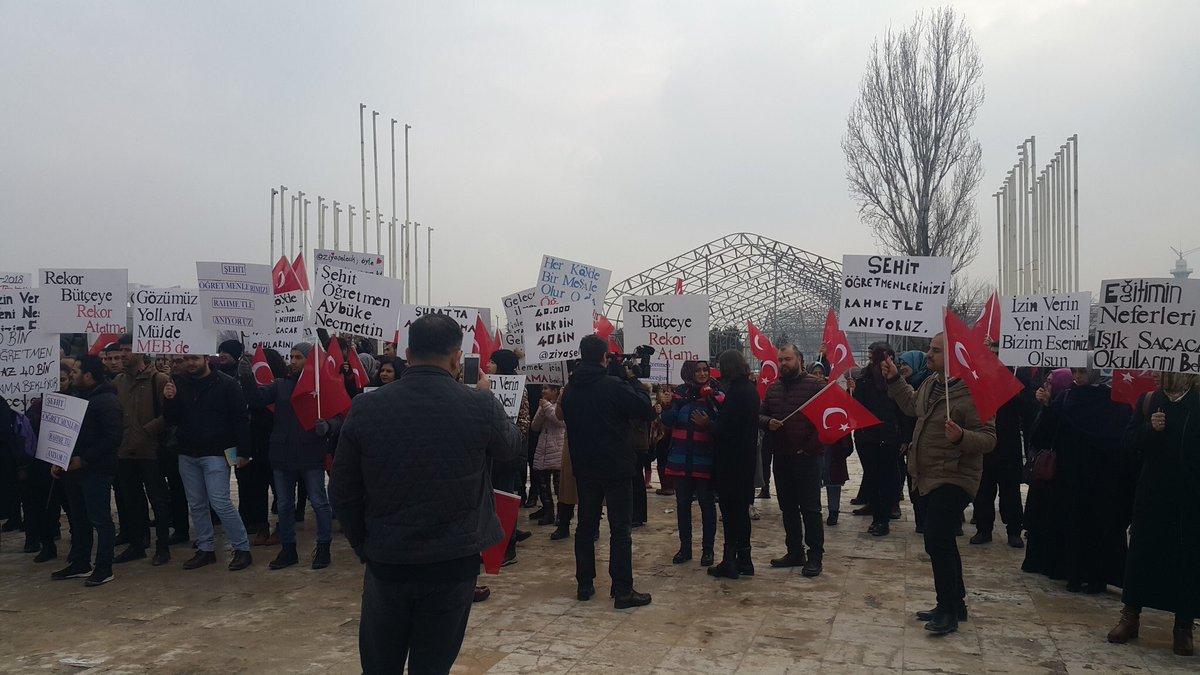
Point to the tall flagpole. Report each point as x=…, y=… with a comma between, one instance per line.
x=292, y=228
x=392, y=223
x=362, y=159
x=429, y=265
x=375, y=158
x=282, y=225
x=271, y=226
x=416, y=268
x=406, y=271
x=337, y=208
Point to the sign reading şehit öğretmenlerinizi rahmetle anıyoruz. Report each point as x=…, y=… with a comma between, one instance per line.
x=1148, y=324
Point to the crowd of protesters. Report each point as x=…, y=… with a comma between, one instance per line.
x=408, y=472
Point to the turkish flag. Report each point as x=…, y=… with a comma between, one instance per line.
x=103, y=340
x=483, y=342
x=767, y=354
x=1129, y=385
x=988, y=324
x=299, y=272
x=603, y=327
x=312, y=401
x=837, y=347
x=334, y=356
x=498, y=339
x=356, y=367
x=283, y=278
x=508, y=506
x=835, y=413
x=679, y=286
x=260, y=367
x=967, y=358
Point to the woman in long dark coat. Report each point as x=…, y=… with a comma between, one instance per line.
x=1045, y=524
x=1163, y=568
x=1085, y=427
x=735, y=441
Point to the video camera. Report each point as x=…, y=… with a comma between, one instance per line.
x=631, y=366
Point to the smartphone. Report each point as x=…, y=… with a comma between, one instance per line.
x=471, y=369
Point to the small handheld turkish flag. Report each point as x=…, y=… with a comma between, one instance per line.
x=102, y=340
x=483, y=342
x=603, y=327
x=260, y=367
x=988, y=324
x=299, y=272
x=312, y=400
x=837, y=347
x=356, y=367
x=283, y=278
x=1129, y=385
x=835, y=413
x=334, y=356
x=767, y=354
x=990, y=382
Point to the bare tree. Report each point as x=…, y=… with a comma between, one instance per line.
x=912, y=163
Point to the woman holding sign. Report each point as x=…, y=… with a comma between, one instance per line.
x=690, y=458
x=1164, y=544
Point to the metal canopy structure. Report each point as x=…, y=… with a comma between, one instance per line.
x=783, y=289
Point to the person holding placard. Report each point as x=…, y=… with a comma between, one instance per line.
x=89, y=476
x=946, y=459
x=1164, y=544
x=210, y=412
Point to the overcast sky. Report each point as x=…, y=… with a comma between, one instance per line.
x=148, y=135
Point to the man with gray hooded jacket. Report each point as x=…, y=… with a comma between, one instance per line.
x=412, y=488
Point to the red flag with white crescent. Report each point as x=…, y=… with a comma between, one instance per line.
x=991, y=383
x=102, y=340
x=333, y=399
x=837, y=347
x=483, y=342
x=260, y=367
x=603, y=327
x=1129, y=385
x=768, y=356
x=835, y=413
x=679, y=286
x=356, y=367
x=334, y=357
x=283, y=278
x=988, y=324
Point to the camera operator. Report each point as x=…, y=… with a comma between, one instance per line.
x=598, y=409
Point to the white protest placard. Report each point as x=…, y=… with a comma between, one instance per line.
x=16, y=280
x=372, y=263
x=167, y=321
x=18, y=313
x=28, y=367
x=552, y=333
x=508, y=390
x=465, y=316
x=676, y=326
x=551, y=372
x=291, y=324
x=897, y=295
x=236, y=296
x=515, y=305
x=562, y=281
x=1148, y=324
x=358, y=303
x=82, y=300
x=62, y=416
x=1045, y=331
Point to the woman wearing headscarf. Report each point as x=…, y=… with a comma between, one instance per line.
x=1164, y=546
x=690, y=457
x=1085, y=428
x=370, y=366
x=735, y=445
x=879, y=445
x=1044, y=519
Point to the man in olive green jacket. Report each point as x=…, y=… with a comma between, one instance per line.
x=945, y=460
x=140, y=392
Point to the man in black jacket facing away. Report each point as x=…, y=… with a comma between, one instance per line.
x=89, y=476
x=598, y=409
x=412, y=488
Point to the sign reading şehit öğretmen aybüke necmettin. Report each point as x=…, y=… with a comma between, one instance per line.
x=354, y=302
x=1148, y=324
x=898, y=295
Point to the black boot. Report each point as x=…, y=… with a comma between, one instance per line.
x=792, y=559
x=565, y=513
x=683, y=555
x=943, y=623
x=131, y=552
x=286, y=558
x=547, y=517
x=706, y=557
x=320, y=559
x=961, y=613
x=49, y=552
x=727, y=568
x=745, y=566
x=813, y=567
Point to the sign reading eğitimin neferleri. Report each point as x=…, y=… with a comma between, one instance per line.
x=1149, y=324
x=898, y=295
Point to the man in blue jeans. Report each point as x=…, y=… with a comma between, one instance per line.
x=89, y=476
x=210, y=414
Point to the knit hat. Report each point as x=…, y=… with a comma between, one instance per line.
x=233, y=348
x=303, y=347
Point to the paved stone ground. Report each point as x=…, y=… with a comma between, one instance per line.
x=856, y=617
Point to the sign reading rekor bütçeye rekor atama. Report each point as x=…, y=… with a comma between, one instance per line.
x=676, y=326
x=82, y=300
